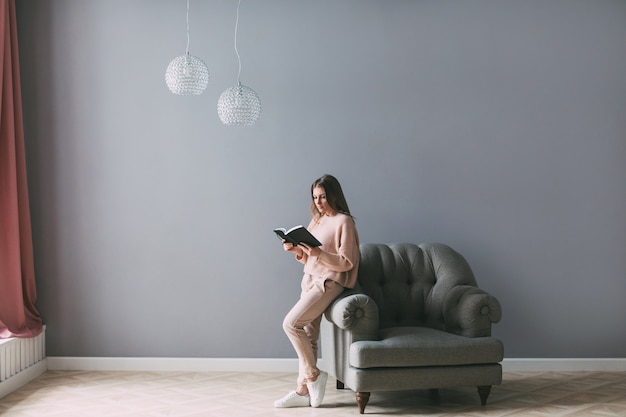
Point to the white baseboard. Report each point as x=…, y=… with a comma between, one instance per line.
x=22, y=378
x=172, y=364
x=58, y=363
x=564, y=365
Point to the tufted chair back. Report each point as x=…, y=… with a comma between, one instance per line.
x=410, y=282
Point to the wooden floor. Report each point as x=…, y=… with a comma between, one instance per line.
x=236, y=394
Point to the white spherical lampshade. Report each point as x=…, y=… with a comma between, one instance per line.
x=187, y=75
x=239, y=105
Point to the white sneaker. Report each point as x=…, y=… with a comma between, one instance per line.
x=293, y=399
x=317, y=389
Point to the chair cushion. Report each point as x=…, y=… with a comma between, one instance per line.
x=423, y=346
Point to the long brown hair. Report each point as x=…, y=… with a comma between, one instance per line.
x=334, y=196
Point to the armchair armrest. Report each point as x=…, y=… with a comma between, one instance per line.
x=351, y=317
x=356, y=313
x=470, y=311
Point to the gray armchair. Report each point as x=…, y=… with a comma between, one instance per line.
x=415, y=320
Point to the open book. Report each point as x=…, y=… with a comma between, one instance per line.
x=297, y=235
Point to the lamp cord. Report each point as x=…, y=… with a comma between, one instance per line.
x=236, y=51
x=187, y=50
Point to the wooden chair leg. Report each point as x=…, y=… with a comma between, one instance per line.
x=361, y=399
x=340, y=385
x=483, y=391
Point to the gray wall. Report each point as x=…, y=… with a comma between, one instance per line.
x=497, y=127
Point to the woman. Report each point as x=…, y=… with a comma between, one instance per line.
x=327, y=271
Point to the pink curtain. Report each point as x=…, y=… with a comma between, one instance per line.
x=18, y=315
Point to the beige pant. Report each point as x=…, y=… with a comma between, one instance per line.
x=302, y=323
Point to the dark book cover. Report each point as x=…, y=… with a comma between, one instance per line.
x=297, y=235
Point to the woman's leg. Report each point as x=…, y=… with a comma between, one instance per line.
x=302, y=325
x=312, y=331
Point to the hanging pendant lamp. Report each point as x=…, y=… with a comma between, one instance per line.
x=187, y=75
x=238, y=105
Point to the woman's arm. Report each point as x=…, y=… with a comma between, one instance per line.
x=346, y=246
x=347, y=250
x=296, y=250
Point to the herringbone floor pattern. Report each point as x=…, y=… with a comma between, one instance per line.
x=236, y=394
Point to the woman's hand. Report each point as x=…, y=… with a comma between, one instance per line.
x=309, y=250
x=289, y=247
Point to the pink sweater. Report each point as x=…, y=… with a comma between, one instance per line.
x=340, y=255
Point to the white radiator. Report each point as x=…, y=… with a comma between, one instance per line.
x=17, y=356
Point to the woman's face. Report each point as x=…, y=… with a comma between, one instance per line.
x=319, y=198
